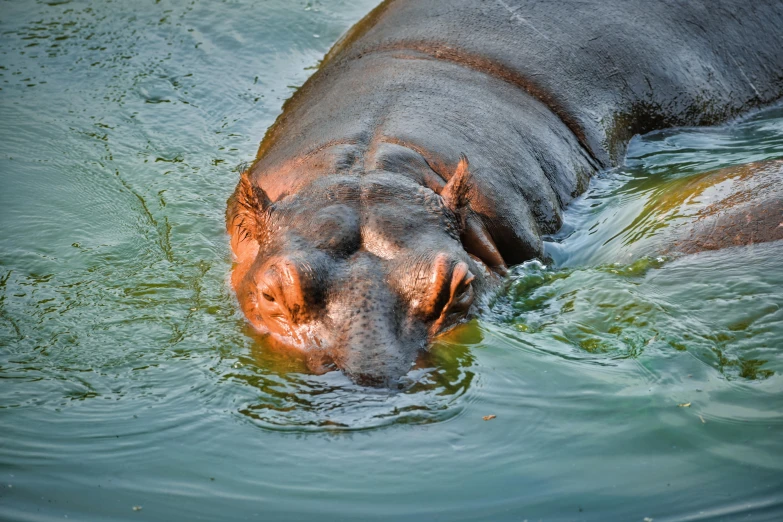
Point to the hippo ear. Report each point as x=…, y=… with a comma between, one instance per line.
x=475, y=237
x=455, y=193
x=246, y=216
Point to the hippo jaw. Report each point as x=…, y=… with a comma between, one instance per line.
x=357, y=272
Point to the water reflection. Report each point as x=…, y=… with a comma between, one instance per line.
x=290, y=399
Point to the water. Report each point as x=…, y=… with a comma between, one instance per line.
x=128, y=378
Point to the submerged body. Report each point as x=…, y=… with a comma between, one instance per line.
x=733, y=206
x=439, y=141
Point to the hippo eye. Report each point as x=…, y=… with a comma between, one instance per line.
x=283, y=293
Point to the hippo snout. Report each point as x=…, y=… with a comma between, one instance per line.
x=375, y=362
x=374, y=348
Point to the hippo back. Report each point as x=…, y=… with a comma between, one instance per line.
x=538, y=95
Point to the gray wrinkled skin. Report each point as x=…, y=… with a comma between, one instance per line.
x=350, y=184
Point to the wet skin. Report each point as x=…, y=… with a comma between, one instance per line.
x=359, y=272
x=438, y=142
x=733, y=206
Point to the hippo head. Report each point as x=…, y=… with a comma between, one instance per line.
x=358, y=272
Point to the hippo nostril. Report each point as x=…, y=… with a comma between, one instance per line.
x=320, y=363
x=370, y=380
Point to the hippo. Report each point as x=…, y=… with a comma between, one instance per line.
x=439, y=141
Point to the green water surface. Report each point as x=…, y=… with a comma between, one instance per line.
x=625, y=384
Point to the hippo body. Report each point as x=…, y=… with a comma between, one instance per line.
x=439, y=141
